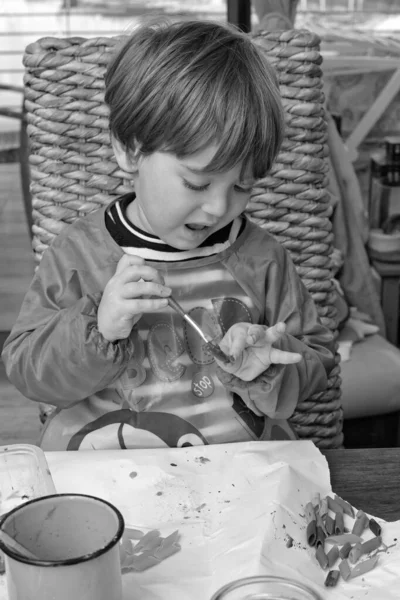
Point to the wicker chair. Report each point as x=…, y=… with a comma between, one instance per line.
x=73, y=170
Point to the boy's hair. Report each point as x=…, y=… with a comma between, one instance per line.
x=179, y=87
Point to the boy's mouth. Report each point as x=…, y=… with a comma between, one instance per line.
x=196, y=226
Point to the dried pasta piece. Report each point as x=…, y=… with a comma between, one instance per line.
x=364, y=567
x=355, y=553
x=375, y=527
x=372, y=544
x=311, y=533
x=343, y=538
x=149, y=551
x=320, y=539
x=360, y=523
x=321, y=524
x=321, y=557
x=345, y=570
x=133, y=534
x=332, y=556
x=332, y=578
x=347, y=508
x=316, y=500
x=309, y=512
x=359, y=549
x=329, y=525
x=323, y=507
x=334, y=506
x=345, y=550
x=311, y=524
x=339, y=524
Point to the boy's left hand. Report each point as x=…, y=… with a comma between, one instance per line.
x=251, y=346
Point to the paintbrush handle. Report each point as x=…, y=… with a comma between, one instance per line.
x=178, y=308
x=11, y=543
x=211, y=347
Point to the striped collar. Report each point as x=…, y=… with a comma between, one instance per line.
x=134, y=240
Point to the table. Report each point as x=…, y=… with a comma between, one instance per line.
x=220, y=481
x=368, y=478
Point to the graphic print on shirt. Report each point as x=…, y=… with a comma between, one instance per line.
x=196, y=347
x=135, y=373
x=136, y=430
x=164, y=347
x=169, y=393
x=177, y=356
x=230, y=311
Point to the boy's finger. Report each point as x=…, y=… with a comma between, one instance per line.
x=128, y=260
x=145, y=289
x=281, y=357
x=256, y=335
x=144, y=305
x=274, y=333
x=237, y=343
x=140, y=273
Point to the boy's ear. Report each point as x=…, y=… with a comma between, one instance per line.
x=127, y=159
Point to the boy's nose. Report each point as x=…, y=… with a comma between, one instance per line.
x=216, y=206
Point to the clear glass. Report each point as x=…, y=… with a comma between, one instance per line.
x=265, y=587
x=24, y=475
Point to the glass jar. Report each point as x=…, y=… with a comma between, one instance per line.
x=265, y=587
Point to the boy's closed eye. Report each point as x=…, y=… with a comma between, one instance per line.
x=194, y=187
x=205, y=186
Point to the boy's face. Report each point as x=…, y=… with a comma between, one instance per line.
x=182, y=205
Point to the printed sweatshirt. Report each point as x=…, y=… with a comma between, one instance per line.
x=160, y=386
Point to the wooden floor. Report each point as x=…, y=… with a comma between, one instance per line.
x=19, y=417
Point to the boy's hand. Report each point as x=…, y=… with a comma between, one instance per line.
x=128, y=294
x=251, y=346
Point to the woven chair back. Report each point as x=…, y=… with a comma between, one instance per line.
x=73, y=170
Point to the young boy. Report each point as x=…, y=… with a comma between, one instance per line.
x=195, y=116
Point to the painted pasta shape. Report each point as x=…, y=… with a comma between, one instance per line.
x=332, y=556
x=339, y=524
x=320, y=537
x=334, y=506
x=311, y=533
x=332, y=578
x=345, y=550
x=355, y=553
x=360, y=523
x=375, y=527
x=372, y=544
x=345, y=570
x=343, y=539
x=347, y=508
x=321, y=557
x=329, y=525
x=364, y=567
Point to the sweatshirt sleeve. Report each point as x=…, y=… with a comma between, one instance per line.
x=55, y=353
x=276, y=392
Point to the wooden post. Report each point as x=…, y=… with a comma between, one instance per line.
x=239, y=13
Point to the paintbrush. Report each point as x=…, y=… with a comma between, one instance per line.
x=11, y=543
x=210, y=346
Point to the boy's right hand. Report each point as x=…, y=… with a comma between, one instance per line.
x=128, y=294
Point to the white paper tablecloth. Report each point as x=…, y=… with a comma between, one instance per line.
x=234, y=506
